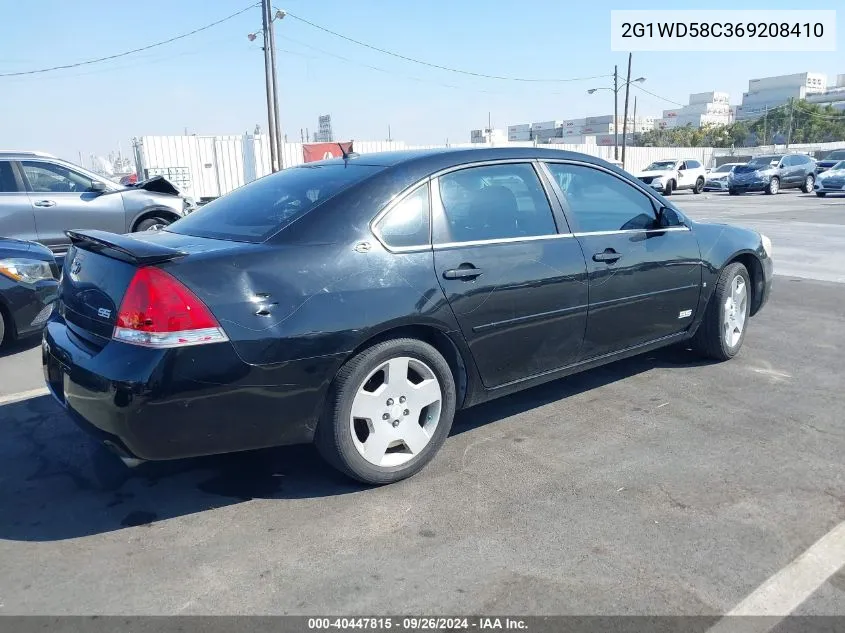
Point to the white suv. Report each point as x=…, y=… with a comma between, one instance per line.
x=672, y=174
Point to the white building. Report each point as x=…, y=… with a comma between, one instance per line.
x=488, y=135
x=703, y=108
x=771, y=92
x=833, y=96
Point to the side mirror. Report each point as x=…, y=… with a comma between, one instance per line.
x=98, y=187
x=667, y=217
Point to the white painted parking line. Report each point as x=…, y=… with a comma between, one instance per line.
x=23, y=395
x=781, y=594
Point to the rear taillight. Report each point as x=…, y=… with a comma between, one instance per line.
x=159, y=311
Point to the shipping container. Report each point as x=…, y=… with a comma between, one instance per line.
x=522, y=127
x=574, y=123
x=546, y=125
x=519, y=136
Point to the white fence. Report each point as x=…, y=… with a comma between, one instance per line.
x=210, y=166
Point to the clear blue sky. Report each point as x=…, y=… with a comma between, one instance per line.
x=212, y=83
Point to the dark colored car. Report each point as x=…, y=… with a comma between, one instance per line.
x=358, y=303
x=830, y=160
x=773, y=172
x=28, y=288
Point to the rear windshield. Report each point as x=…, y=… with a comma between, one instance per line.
x=256, y=211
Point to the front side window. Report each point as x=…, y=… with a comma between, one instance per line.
x=600, y=201
x=8, y=184
x=494, y=202
x=407, y=223
x=693, y=164
x=52, y=178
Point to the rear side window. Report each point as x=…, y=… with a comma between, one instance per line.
x=256, y=211
x=8, y=184
x=407, y=223
x=693, y=164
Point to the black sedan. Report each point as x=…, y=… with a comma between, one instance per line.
x=28, y=288
x=359, y=302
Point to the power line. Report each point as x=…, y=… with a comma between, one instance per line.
x=125, y=53
x=432, y=65
x=639, y=87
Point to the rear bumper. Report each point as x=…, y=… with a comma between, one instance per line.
x=170, y=404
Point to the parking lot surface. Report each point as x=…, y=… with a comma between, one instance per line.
x=662, y=484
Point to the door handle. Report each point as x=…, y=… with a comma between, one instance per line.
x=470, y=272
x=44, y=203
x=608, y=255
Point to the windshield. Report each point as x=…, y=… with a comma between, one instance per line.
x=764, y=161
x=838, y=154
x=661, y=165
x=256, y=211
x=839, y=165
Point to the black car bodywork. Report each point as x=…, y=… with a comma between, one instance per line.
x=24, y=305
x=298, y=300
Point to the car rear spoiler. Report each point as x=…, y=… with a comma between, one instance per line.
x=123, y=247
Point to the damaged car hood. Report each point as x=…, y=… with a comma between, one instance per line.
x=157, y=184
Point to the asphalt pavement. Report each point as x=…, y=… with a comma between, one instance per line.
x=662, y=485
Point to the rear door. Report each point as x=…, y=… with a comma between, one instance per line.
x=61, y=199
x=513, y=274
x=644, y=274
x=16, y=217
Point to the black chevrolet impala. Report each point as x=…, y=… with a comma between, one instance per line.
x=360, y=302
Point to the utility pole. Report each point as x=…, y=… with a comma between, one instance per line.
x=279, y=142
x=389, y=137
x=635, y=116
x=615, y=112
x=490, y=129
x=625, y=120
x=269, y=74
x=789, y=129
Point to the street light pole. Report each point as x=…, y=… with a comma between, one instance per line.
x=625, y=121
x=269, y=74
x=615, y=112
x=280, y=156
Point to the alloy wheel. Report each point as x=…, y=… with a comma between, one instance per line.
x=735, y=311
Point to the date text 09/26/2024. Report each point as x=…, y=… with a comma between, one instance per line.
x=418, y=623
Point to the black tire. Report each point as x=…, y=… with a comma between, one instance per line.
x=2, y=328
x=699, y=185
x=733, y=192
x=145, y=225
x=809, y=183
x=669, y=188
x=773, y=187
x=334, y=438
x=821, y=194
x=709, y=340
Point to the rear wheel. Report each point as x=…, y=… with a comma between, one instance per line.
x=151, y=223
x=699, y=185
x=389, y=411
x=669, y=188
x=722, y=330
x=821, y=194
x=774, y=186
x=809, y=182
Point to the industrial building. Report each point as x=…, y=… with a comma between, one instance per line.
x=703, y=108
x=832, y=96
x=771, y=92
x=488, y=135
x=585, y=130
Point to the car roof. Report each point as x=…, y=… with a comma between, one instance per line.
x=456, y=156
x=14, y=154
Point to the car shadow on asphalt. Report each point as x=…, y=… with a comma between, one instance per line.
x=57, y=483
x=20, y=345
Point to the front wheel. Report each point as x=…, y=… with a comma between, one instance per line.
x=669, y=188
x=821, y=194
x=722, y=330
x=809, y=182
x=153, y=224
x=389, y=411
x=733, y=192
x=699, y=185
x=773, y=187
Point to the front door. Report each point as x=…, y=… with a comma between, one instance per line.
x=644, y=274
x=62, y=199
x=516, y=284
